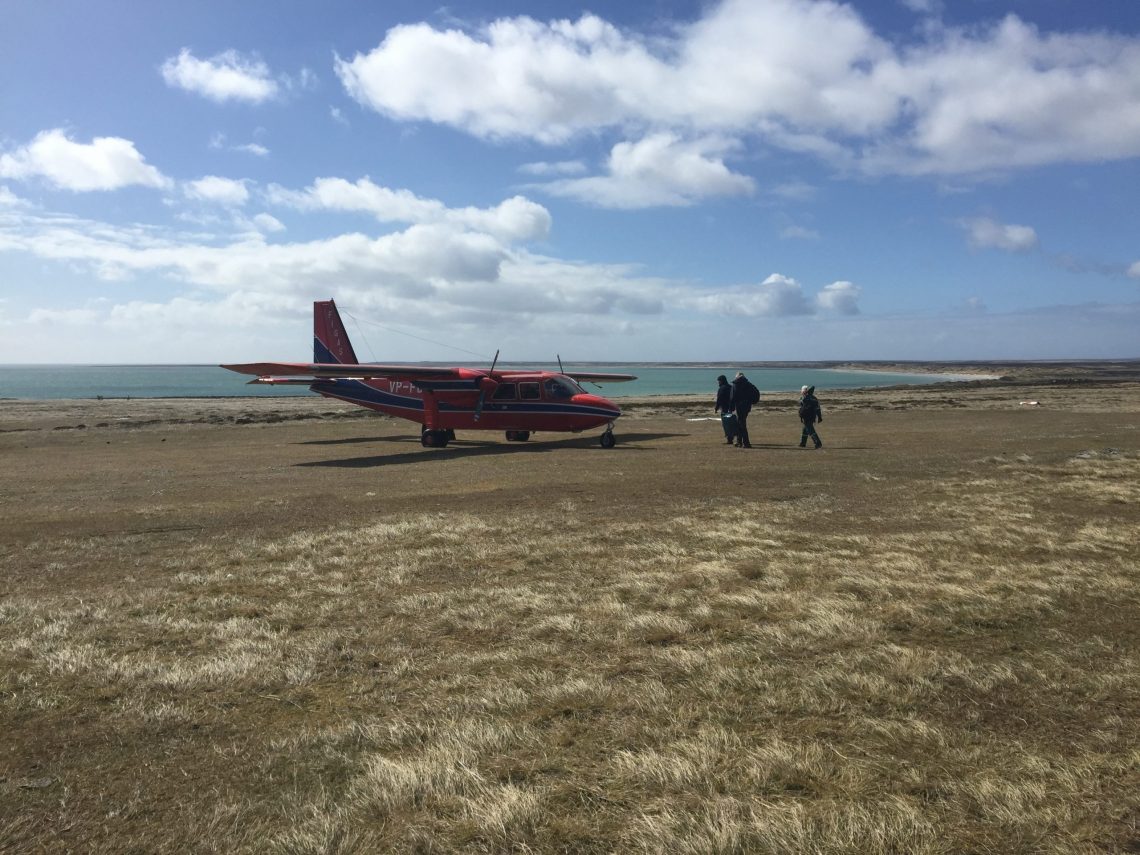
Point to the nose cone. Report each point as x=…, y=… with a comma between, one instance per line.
x=604, y=406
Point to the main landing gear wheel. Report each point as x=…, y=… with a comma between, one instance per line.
x=607, y=439
x=518, y=435
x=435, y=438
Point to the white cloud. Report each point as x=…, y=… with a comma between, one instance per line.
x=658, y=170
x=1134, y=270
x=268, y=223
x=985, y=233
x=229, y=192
x=517, y=218
x=777, y=296
x=807, y=76
x=562, y=167
x=218, y=141
x=526, y=79
x=8, y=199
x=419, y=254
x=229, y=76
x=440, y=273
x=839, y=297
x=338, y=116
x=106, y=163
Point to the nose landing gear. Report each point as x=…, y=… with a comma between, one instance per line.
x=607, y=439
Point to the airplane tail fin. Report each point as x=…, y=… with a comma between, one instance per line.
x=330, y=339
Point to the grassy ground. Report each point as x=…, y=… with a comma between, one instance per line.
x=304, y=633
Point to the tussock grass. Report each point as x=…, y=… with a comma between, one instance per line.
x=953, y=671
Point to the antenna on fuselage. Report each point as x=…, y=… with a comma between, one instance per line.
x=491, y=373
x=560, y=369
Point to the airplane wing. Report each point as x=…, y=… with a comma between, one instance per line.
x=335, y=370
x=594, y=377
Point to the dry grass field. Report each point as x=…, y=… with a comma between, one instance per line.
x=283, y=626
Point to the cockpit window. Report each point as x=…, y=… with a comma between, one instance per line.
x=559, y=388
x=529, y=391
x=504, y=392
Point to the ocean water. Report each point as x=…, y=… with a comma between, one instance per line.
x=41, y=382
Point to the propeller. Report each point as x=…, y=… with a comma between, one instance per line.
x=486, y=384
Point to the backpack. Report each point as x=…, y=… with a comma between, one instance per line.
x=809, y=409
x=749, y=394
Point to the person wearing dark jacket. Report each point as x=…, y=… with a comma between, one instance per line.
x=724, y=407
x=810, y=413
x=744, y=395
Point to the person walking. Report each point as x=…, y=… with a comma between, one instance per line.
x=810, y=413
x=744, y=396
x=724, y=407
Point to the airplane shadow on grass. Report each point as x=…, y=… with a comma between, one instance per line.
x=475, y=448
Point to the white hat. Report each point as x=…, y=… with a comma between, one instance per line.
x=803, y=390
x=739, y=374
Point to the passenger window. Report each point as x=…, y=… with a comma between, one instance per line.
x=529, y=391
x=505, y=392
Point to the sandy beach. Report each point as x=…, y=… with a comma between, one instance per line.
x=241, y=624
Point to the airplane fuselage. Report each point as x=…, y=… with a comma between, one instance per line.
x=539, y=401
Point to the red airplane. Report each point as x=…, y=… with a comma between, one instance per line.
x=444, y=400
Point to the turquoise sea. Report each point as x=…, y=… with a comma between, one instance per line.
x=210, y=381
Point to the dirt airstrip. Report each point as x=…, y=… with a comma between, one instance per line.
x=103, y=499
x=79, y=468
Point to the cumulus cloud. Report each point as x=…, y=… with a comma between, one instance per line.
x=517, y=218
x=268, y=223
x=985, y=233
x=436, y=272
x=1134, y=270
x=417, y=255
x=229, y=192
x=8, y=199
x=956, y=101
x=777, y=296
x=106, y=163
x=658, y=170
x=839, y=297
x=228, y=76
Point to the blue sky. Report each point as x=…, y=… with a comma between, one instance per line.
x=739, y=180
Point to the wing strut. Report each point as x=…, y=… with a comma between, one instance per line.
x=486, y=383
